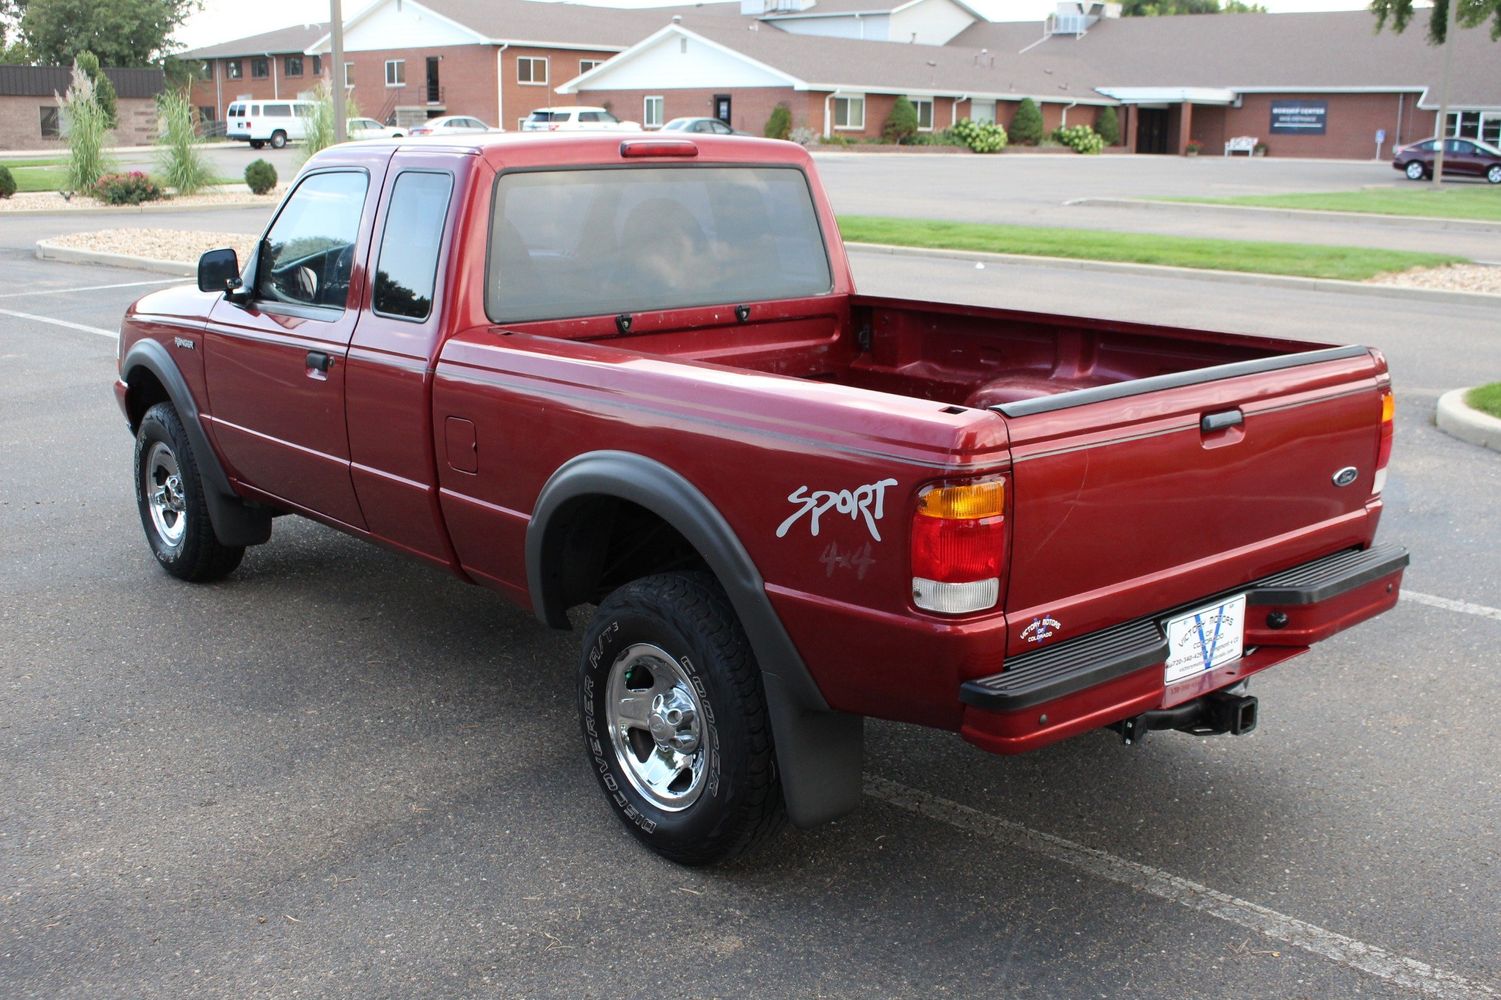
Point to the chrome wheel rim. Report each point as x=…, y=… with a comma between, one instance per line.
x=1414, y=170
x=654, y=716
x=1494, y=175
x=163, y=486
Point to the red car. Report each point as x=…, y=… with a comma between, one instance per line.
x=1462, y=158
x=632, y=372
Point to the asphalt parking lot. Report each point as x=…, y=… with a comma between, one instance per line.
x=340, y=773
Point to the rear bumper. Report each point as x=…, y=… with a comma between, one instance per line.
x=1117, y=673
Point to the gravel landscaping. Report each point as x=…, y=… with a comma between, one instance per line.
x=157, y=244
x=1454, y=278
x=226, y=194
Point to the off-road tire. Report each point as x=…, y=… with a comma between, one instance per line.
x=739, y=803
x=188, y=549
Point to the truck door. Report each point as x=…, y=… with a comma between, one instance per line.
x=275, y=364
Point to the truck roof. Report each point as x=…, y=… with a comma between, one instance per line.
x=513, y=149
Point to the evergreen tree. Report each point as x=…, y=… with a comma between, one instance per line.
x=779, y=125
x=1108, y=126
x=1026, y=127
x=901, y=124
x=104, y=90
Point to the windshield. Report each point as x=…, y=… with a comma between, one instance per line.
x=592, y=242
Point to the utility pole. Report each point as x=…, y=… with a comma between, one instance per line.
x=336, y=78
x=1443, y=98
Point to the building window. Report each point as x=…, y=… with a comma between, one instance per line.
x=585, y=65
x=232, y=69
x=396, y=72
x=205, y=113
x=1464, y=123
x=349, y=74
x=982, y=112
x=50, y=123
x=292, y=65
x=317, y=65
x=260, y=68
x=532, y=70
x=652, y=114
x=924, y=106
x=849, y=112
x=206, y=70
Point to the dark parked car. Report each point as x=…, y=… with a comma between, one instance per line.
x=1462, y=158
x=709, y=126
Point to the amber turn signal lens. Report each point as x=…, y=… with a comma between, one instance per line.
x=968, y=502
x=1388, y=407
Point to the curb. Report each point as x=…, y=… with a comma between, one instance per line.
x=1317, y=215
x=1457, y=419
x=1432, y=295
x=47, y=250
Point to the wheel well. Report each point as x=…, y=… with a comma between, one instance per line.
x=597, y=543
x=145, y=391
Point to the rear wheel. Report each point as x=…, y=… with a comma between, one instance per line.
x=278, y=139
x=1415, y=171
x=256, y=143
x=675, y=720
x=169, y=495
x=1494, y=174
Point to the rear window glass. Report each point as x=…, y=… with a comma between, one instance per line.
x=591, y=242
x=549, y=116
x=409, y=247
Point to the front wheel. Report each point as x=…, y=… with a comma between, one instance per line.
x=675, y=721
x=1415, y=171
x=1494, y=174
x=278, y=139
x=169, y=495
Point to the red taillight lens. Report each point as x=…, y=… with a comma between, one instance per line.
x=958, y=544
x=1384, y=445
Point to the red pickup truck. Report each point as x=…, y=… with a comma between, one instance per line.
x=635, y=373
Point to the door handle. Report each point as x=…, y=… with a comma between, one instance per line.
x=1223, y=420
x=319, y=360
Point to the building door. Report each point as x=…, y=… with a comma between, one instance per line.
x=722, y=107
x=1151, y=130
x=434, y=92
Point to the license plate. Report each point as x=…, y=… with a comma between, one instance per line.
x=1203, y=639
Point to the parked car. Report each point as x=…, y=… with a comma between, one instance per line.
x=1462, y=158
x=262, y=122
x=707, y=126
x=576, y=119
x=451, y=125
x=595, y=370
x=369, y=128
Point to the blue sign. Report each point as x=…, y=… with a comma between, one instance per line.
x=1299, y=117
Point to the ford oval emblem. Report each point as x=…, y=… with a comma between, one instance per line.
x=1346, y=476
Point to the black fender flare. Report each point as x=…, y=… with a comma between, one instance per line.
x=235, y=523
x=819, y=750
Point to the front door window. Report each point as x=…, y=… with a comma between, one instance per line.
x=308, y=255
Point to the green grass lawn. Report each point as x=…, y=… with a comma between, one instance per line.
x=1456, y=201
x=1302, y=260
x=1486, y=399
x=52, y=175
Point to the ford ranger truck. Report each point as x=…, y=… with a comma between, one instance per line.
x=635, y=374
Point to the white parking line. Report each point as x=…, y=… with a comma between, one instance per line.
x=1405, y=972
x=99, y=330
x=89, y=288
x=1448, y=604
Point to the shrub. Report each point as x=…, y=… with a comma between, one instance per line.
x=779, y=125
x=127, y=189
x=1193, y=147
x=87, y=127
x=180, y=156
x=803, y=136
x=982, y=137
x=1109, y=126
x=7, y=182
x=1081, y=139
x=1026, y=125
x=104, y=91
x=260, y=177
x=901, y=124
x=320, y=121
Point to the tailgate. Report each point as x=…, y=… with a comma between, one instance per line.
x=1142, y=496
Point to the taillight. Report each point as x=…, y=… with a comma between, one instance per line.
x=958, y=542
x=1384, y=448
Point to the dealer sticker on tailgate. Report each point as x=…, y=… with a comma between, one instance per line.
x=1201, y=640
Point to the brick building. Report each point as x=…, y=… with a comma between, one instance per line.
x=30, y=117
x=269, y=65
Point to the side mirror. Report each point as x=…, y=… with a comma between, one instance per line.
x=219, y=271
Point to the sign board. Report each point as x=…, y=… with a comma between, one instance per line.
x=1299, y=117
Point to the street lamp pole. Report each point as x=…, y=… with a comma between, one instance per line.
x=336, y=77
x=1443, y=98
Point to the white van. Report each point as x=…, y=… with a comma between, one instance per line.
x=260, y=122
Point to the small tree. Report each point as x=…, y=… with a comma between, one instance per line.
x=86, y=129
x=7, y=182
x=779, y=125
x=901, y=124
x=320, y=121
x=104, y=91
x=180, y=155
x=1108, y=126
x=260, y=177
x=1026, y=126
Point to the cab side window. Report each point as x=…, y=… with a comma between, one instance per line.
x=308, y=255
x=408, y=262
